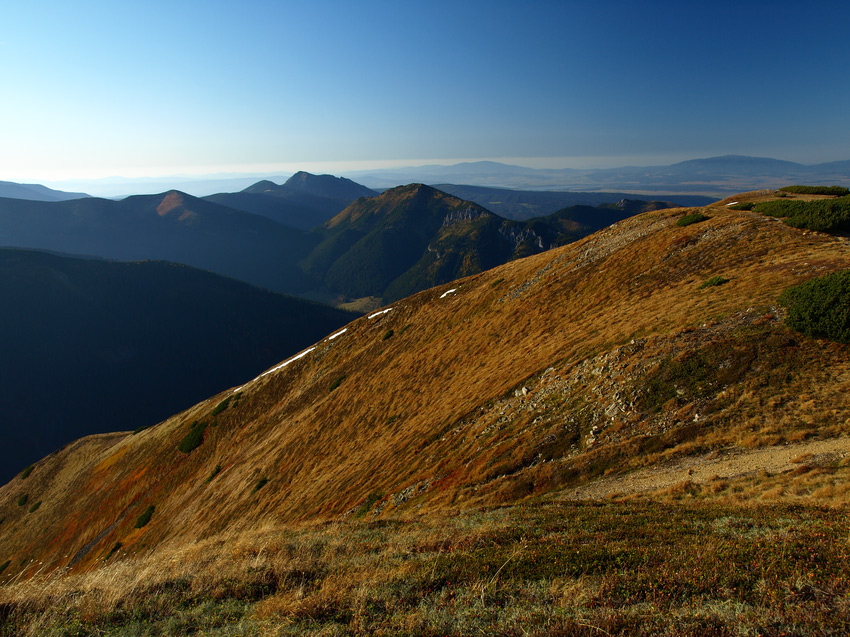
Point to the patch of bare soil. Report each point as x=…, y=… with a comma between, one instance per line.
x=732, y=463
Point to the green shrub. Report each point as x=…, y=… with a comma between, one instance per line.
x=35, y=506
x=694, y=217
x=5, y=565
x=388, y=334
x=23, y=500
x=823, y=215
x=404, y=329
x=336, y=383
x=712, y=282
x=114, y=550
x=220, y=407
x=194, y=438
x=370, y=501
x=140, y=429
x=145, y=517
x=214, y=473
x=749, y=205
x=839, y=191
x=820, y=308
x=25, y=473
x=260, y=484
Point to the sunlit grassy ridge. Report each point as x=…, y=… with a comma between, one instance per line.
x=520, y=383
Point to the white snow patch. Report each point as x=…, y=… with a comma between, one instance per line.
x=340, y=333
x=447, y=292
x=274, y=369
x=371, y=316
x=731, y=204
x=287, y=362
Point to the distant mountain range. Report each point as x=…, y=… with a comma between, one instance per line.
x=94, y=346
x=527, y=204
x=35, y=192
x=713, y=176
x=383, y=246
x=303, y=201
x=172, y=226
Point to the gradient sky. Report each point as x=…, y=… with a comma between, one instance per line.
x=95, y=89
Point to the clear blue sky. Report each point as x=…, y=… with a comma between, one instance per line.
x=92, y=89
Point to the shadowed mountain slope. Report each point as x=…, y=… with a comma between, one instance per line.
x=93, y=346
x=172, y=226
x=414, y=237
x=599, y=357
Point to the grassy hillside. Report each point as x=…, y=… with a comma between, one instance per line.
x=417, y=471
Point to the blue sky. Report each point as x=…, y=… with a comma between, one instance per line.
x=95, y=89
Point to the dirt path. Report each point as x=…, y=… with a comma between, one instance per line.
x=724, y=464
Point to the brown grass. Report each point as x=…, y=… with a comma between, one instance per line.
x=621, y=568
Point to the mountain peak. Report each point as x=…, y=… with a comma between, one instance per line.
x=262, y=187
x=327, y=186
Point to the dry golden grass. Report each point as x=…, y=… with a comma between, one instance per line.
x=621, y=568
x=435, y=419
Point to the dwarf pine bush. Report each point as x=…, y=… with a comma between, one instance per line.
x=820, y=308
x=145, y=517
x=694, y=217
x=838, y=191
x=823, y=215
x=194, y=438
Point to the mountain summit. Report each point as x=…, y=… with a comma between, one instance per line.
x=413, y=237
x=327, y=186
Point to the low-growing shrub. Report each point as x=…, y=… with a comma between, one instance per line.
x=224, y=404
x=214, y=473
x=712, y=282
x=23, y=499
x=820, y=308
x=25, y=473
x=839, y=191
x=114, y=550
x=823, y=215
x=694, y=217
x=145, y=517
x=370, y=501
x=336, y=383
x=749, y=205
x=260, y=484
x=5, y=565
x=35, y=506
x=388, y=334
x=194, y=438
